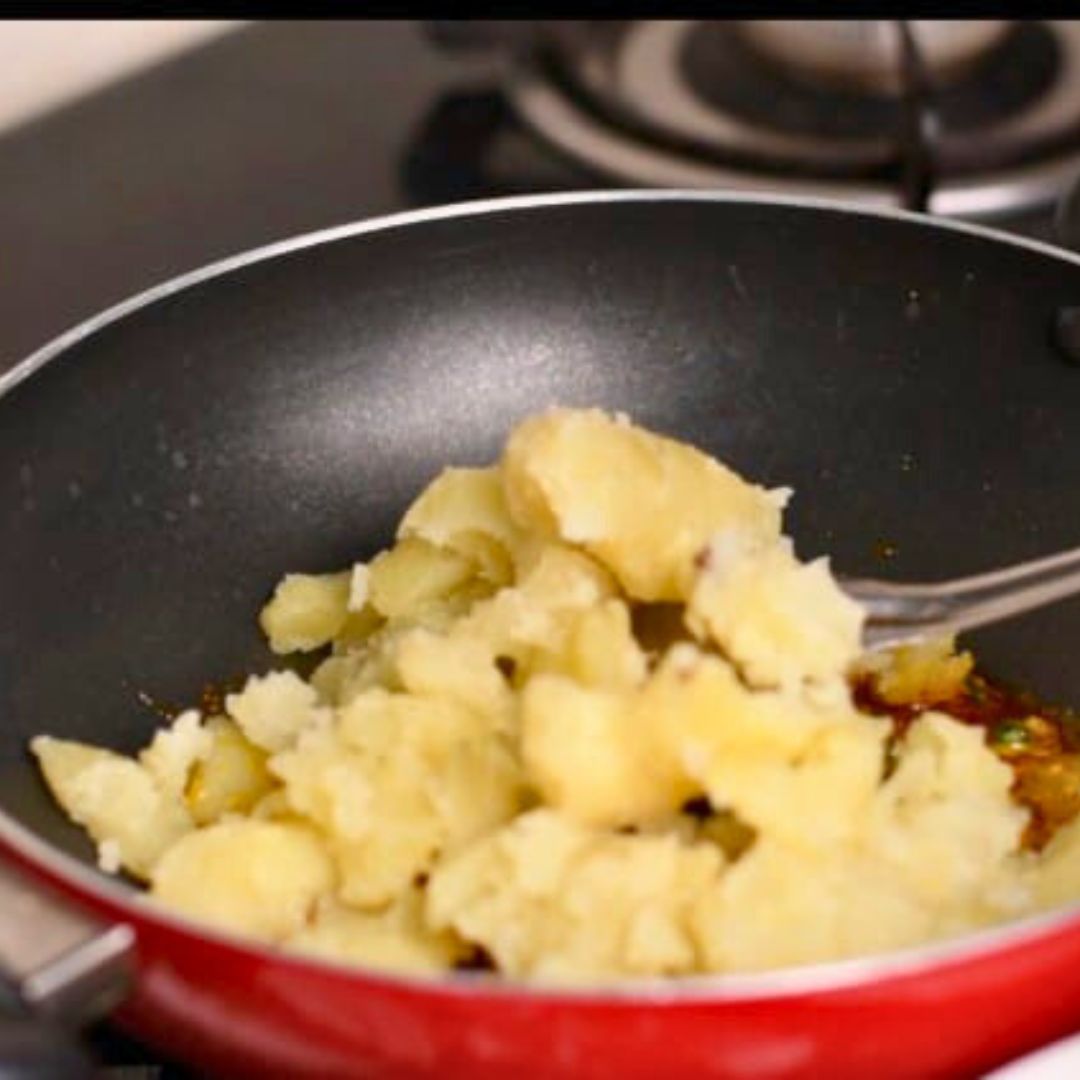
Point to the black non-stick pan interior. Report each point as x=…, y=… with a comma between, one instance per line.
x=161, y=473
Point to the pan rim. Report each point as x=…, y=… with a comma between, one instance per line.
x=814, y=979
x=63, y=341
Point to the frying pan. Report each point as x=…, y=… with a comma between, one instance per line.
x=164, y=463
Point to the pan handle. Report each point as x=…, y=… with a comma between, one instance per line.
x=55, y=958
x=60, y=968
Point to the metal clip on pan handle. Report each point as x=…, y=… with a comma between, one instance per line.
x=60, y=968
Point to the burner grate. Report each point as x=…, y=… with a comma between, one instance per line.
x=696, y=104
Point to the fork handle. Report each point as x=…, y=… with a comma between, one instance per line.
x=909, y=610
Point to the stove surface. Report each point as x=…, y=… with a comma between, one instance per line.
x=278, y=129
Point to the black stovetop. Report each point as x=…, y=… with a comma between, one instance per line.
x=277, y=129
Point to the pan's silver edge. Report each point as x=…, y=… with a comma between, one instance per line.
x=814, y=979
x=23, y=369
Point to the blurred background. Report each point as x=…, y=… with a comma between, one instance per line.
x=132, y=151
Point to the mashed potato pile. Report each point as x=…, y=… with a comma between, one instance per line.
x=589, y=717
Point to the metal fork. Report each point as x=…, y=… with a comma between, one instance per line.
x=899, y=613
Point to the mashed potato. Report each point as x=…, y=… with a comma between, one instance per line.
x=589, y=717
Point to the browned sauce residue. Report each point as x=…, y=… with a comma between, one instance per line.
x=1040, y=742
x=211, y=700
x=885, y=549
x=160, y=709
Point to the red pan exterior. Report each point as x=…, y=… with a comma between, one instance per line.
x=234, y=1011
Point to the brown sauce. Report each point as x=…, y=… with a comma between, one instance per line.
x=1040, y=742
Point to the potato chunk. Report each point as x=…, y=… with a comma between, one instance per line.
x=412, y=574
x=551, y=899
x=273, y=710
x=786, y=765
x=464, y=510
x=394, y=939
x=115, y=799
x=398, y=780
x=944, y=818
x=306, y=611
x=779, y=620
x=176, y=750
x=231, y=778
x=928, y=672
x=1055, y=879
x=593, y=755
x=459, y=669
x=644, y=505
x=602, y=650
x=532, y=622
x=783, y=905
x=253, y=877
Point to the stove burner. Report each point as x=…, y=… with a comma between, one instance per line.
x=845, y=126
x=863, y=53
x=699, y=104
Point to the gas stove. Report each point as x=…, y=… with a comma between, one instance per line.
x=282, y=128
x=971, y=119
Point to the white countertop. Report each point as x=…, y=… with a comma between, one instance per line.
x=49, y=62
